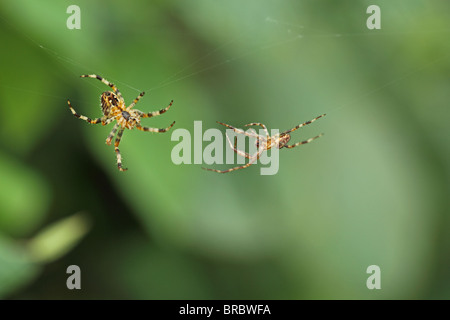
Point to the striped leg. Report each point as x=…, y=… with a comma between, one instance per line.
x=79, y=116
x=253, y=158
x=108, y=121
x=261, y=125
x=156, y=113
x=109, y=84
x=306, y=123
x=231, y=169
x=239, y=152
x=138, y=126
x=116, y=148
x=111, y=134
x=136, y=100
x=249, y=134
x=303, y=142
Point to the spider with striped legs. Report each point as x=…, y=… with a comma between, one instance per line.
x=263, y=143
x=114, y=108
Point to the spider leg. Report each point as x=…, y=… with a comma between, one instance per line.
x=239, y=152
x=252, y=160
x=116, y=149
x=306, y=123
x=108, y=121
x=79, y=116
x=253, y=131
x=303, y=142
x=136, y=100
x=231, y=169
x=249, y=134
x=111, y=134
x=156, y=113
x=109, y=84
x=138, y=126
x=259, y=124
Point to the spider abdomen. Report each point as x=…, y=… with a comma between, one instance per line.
x=107, y=100
x=283, y=140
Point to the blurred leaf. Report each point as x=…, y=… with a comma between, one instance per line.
x=58, y=238
x=24, y=197
x=16, y=268
x=149, y=273
x=27, y=104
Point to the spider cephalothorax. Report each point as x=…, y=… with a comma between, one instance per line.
x=114, y=108
x=278, y=141
x=264, y=143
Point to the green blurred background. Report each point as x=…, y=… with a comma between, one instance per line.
x=373, y=190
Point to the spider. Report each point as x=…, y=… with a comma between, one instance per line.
x=114, y=108
x=264, y=143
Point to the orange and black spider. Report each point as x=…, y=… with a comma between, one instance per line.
x=114, y=108
x=264, y=143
